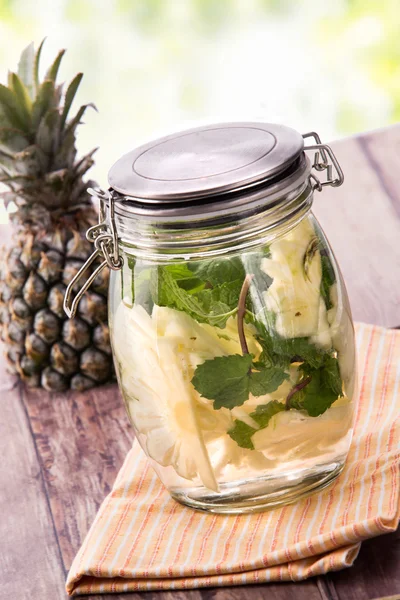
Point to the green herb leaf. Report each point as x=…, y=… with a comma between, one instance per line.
x=260, y=282
x=219, y=271
x=264, y=412
x=266, y=381
x=242, y=433
x=184, y=276
x=318, y=397
x=298, y=350
x=224, y=379
x=331, y=373
x=204, y=305
x=228, y=380
x=282, y=351
x=268, y=355
x=226, y=294
x=324, y=388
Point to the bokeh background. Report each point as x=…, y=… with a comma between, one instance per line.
x=152, y=66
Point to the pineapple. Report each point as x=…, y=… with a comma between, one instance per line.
x=52, y=211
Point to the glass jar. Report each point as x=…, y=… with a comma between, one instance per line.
x=230, y=324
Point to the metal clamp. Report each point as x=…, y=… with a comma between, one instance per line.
x=105, y=241
x=325, y=153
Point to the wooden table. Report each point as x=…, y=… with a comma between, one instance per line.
x=60, y=453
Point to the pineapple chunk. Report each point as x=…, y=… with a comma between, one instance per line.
x=160, y=398
x=294, y=296
x=294, y=435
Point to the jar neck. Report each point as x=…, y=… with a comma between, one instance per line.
x=212, y=236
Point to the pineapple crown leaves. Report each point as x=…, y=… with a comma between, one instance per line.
x=37, y=140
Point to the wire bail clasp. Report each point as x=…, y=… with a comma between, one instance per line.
x=105, y=240
x=324, y=152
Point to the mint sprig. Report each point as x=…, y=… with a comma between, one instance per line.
x=213, y=306
x=322, y=390
x=229, y=380
x=284, y=351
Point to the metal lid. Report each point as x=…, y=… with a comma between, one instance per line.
x=206, y=161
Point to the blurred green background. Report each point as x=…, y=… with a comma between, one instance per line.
x=152, y=66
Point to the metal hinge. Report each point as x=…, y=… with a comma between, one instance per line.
x=334, y=173
x=105, y=240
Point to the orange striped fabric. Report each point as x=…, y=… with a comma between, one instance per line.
x=143, y=540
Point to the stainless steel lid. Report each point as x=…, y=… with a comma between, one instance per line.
x=213, y=160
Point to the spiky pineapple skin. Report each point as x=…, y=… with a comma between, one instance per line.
x=52, y=211
x=42, y=345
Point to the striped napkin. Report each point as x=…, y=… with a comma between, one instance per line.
x=143, y=540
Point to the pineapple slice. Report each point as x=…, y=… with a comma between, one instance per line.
x=154, y=373
x=293, y=295
x=295, y=435
x=203, y=341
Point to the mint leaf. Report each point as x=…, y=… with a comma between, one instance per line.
x=318, y=397
x=228, y=380
x=268, y=355
x=204, y=306
x=260, y=282
x=176, y=286
x=181, y=273
x=218, y=271
x=242, y=433
x=298, y=350
x=280, y=351
x=224, y=379
x=266, y=381
x=229, y=292
x=331, y=375
x=226, y=294
x=264, y=412
x=324, y=388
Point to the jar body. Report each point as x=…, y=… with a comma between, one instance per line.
x=238, y=371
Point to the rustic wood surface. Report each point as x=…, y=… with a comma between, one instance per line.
x=60, y=453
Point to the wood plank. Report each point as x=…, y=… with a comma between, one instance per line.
x=30, y=559
x=305, y=590
x=363, y=228
x=82, y=440
x=376, y=572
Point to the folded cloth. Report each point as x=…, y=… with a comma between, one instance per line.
x=143, y=540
